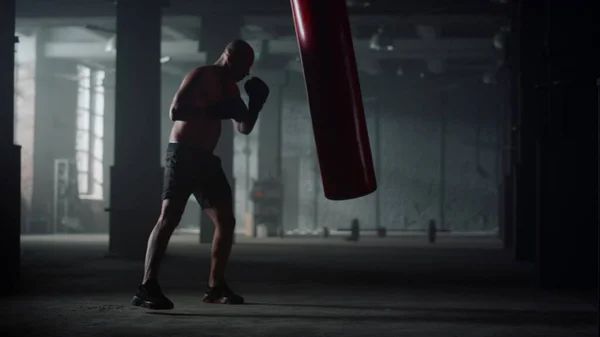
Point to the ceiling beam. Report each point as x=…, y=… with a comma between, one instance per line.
x=82, y=8
x=101, y=36
x=377, y=20
x=408, y=48
x=269, y=21
x=187, y=50
x=174, y=33
x=173, y=70
x=167, y=20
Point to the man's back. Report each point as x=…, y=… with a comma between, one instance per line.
x=204, y=86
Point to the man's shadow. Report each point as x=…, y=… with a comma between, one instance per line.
x=512, y=317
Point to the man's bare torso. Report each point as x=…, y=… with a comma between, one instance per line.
x=204, y=133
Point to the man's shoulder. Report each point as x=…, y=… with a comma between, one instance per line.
x=203, y=70
x=208, y=68
x=211, y=73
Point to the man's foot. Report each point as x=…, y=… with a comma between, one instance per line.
x=150, y=296
x=222, y=294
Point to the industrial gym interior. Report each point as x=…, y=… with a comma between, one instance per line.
x=481, y=118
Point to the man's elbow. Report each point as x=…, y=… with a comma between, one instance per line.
x=175, y=115
x=245, y=132
x=172, y=114
x=244, y=129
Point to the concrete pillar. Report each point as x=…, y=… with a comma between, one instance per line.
x=507, y=191
x=291, y=192
x=269, y=136
x=43, y=154
x=10, y=187
x=504, y=143
x=136, y=175
x=218, y=29
x=508, y=77
x=525, y=162
x=109, y=134
x=55, y=132
x=25, y=64
x=568, y=218
x=385, y=101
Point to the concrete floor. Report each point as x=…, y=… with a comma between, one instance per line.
x=295, y=287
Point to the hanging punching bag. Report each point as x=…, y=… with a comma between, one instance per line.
x=334, y=98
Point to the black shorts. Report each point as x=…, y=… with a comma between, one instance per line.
x=195, y=171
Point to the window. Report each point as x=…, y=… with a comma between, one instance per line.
x=90, y=133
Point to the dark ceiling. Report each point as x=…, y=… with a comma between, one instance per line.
x=451, y=20
x=67, y=8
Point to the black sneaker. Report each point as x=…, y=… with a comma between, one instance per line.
x=151, y=297
x=222, y=294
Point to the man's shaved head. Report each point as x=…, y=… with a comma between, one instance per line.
x=238, y=57
x=240, y=49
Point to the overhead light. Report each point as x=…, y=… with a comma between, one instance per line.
x=435, y=66
x=381, y=41
x=489, y=78
x=500, y=38
x=111, y=45
x=356, y=3
x=165, y=59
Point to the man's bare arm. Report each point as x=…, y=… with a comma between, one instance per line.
x=246, y=123
x=194, y=101
x=257, y=91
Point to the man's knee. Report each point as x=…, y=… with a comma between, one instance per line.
x=226, y=221
x=171, y=213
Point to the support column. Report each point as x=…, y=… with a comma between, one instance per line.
x=270, y=141
x=443, y=97
x=378, y=112
x=505, y=221
x=218, y=29
x=509, y=134
x=386, y=105
x=10, y=184
x=43, y=136
x=136, y=175
x=269, y=135
x=568, y=217
x=291, y=192
x=530, y=72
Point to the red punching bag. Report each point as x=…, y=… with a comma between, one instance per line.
x=334, y=98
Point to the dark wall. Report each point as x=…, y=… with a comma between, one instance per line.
x=409, y=179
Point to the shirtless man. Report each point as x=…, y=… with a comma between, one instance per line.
x=207, y=95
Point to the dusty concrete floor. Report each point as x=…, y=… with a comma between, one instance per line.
x=295, y=287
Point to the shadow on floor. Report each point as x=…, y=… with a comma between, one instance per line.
x=429, y=315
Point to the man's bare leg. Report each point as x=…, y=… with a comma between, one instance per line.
x=224, y=222
x=149, y=294
x=169, y=219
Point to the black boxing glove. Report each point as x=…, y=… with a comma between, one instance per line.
x=257, y=90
